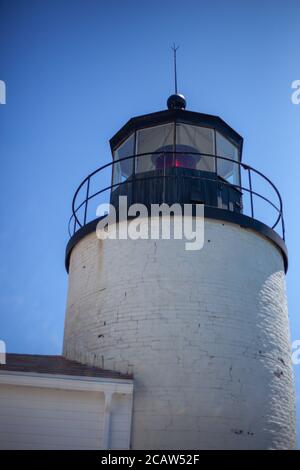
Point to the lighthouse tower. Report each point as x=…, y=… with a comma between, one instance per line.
x=205, y=332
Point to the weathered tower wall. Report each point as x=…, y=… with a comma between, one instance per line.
x=205, y=334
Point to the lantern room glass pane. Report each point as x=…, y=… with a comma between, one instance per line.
x=152, y=140
x=227, y=169
x=123, y=169
x=195, y=139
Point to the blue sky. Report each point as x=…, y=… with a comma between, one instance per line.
x=76, y=71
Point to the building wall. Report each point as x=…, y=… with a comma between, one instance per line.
x=205, y=334
x=46, y=418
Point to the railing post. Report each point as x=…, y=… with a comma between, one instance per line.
x=164, y=178
x=251, y=195
x=86, y=200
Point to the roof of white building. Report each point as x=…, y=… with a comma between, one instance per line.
x=55, y=365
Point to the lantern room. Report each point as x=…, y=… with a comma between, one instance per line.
x=177, y=156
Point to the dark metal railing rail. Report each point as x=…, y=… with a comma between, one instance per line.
x=76, y=221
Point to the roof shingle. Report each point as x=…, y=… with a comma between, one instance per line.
x=42, y=364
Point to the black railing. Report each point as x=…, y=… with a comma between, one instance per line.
x=245, y=173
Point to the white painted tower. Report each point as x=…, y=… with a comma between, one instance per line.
x=205, y=333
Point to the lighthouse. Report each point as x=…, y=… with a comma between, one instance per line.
x=204, y=333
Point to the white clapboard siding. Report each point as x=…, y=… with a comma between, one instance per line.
x=42, y=418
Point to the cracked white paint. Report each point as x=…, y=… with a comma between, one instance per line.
x=205, y=334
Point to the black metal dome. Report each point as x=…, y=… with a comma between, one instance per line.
x=177, y=101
